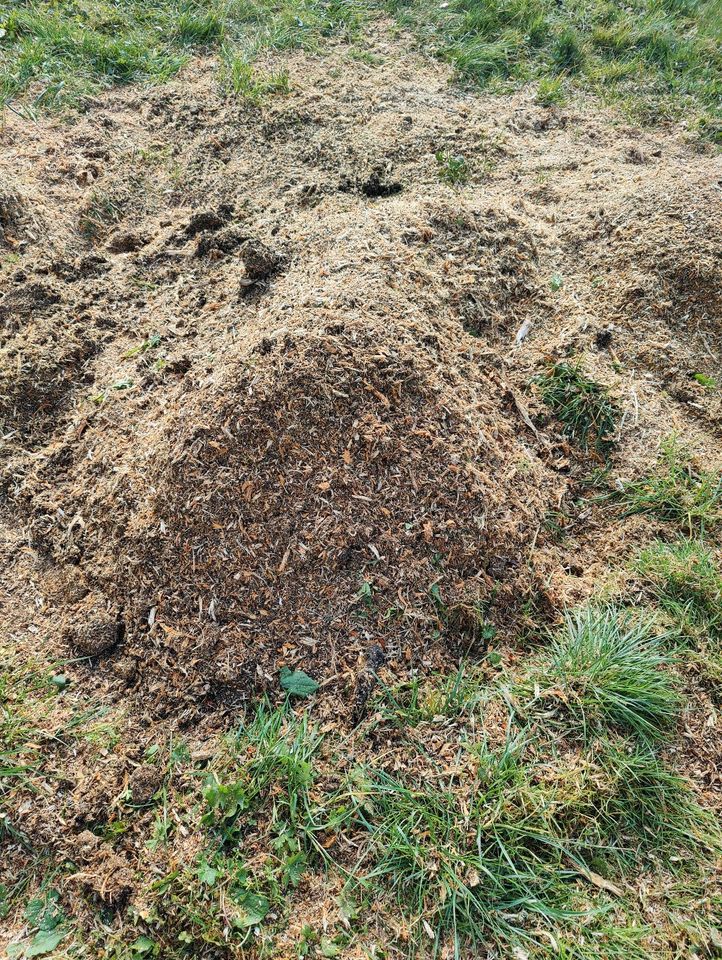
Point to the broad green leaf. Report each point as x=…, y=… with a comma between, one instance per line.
x=207, y=874
x=143, y=946
x=295, y=867
x=329, y=948
x=44, y=912
x=254, y=908
x=44, y=941
x=297, y=683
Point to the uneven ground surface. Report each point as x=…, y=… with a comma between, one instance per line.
x=268, y=401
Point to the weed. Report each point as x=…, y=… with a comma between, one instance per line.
x=453, y=170
x=606, y=668
x=150, y=343
x=677, y=492
x=45, y=919
x=584, y=407
x=206, y=902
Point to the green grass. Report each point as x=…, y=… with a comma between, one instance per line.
x=659, y=58
x=461, y=870
x=498, y=855
x=685, y=582
x=69, y=50
x=550, y=92
x=644, y=807
x=271, y=754
x=419, y=701
x=237, y=75
x=677, y=492
x=584, y=407
x=608, y=668
x=452, y=169
x=495, y=849
x=492, y=847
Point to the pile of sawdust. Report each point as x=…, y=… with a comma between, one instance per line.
x=272, y=411
x=330, y=495
x=349, y=484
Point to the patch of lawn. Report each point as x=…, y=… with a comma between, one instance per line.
x=71, y=49
x=460, y=869
x=271, y=755
x=660, y=59
x=526, y=844
x=686, y=583
x=498, y=855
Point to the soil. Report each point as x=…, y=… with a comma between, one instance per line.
x=264, y=404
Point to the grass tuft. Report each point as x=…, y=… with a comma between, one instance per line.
x=199, y=28
x=584, y=407
x=238, y=76
x=686, y=583
x=568, y=54
x=460, y=870
x=676, y=492
x=451, y=697
x=644, y=807
x=550, y=92
x=607, y=669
